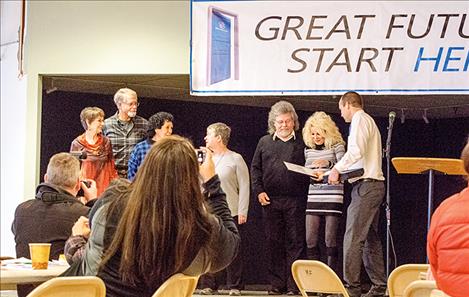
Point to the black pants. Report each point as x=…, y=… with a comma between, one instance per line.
x=284, y=222
x=233, y=271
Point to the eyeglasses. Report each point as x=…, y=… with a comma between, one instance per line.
x=132, y=104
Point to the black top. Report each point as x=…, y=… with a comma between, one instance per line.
x=268, y=172
x=47, y=219
x=225, y=243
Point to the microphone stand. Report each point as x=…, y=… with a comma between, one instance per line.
x=388, y=196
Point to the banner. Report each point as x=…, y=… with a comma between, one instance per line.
x=329, y=47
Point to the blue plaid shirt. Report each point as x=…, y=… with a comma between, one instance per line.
x=136, y=157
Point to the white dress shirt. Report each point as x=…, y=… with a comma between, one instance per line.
x=364, y=148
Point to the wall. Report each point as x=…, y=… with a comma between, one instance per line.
x=13, y=127
x=78, y=37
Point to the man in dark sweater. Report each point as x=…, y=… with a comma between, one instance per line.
x=282, y=194
x=49, y=217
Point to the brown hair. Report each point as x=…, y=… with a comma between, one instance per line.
x=165, y=222
x=89, y=114
x=353, y=98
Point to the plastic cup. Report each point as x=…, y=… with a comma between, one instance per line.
x=39, y=255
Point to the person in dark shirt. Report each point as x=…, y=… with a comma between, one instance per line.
x=166, y=223
x=282, y=194
x=49, y=217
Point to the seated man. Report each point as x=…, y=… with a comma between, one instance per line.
x=448, y=241
x=50, y=216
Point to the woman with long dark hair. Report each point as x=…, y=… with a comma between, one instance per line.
x=167, y=222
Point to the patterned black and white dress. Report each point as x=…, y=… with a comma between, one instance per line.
x=325, y=199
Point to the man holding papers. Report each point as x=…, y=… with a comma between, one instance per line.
x=361, y=238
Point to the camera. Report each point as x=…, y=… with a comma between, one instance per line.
x=201, y=156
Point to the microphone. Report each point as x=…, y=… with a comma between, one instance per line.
x=80, y=155
x=392, y=117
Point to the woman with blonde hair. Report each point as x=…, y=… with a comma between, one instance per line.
x=99, y=162
x=166, y=223
x=325, y=147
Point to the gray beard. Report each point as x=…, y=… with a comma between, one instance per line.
x=132, y=114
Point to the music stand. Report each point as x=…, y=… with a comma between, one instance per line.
x=407, y=165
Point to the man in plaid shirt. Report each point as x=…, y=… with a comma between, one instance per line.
x=125, y=129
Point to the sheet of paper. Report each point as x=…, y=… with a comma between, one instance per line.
x=303, y=170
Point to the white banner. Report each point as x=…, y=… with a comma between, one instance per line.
x=329, y=47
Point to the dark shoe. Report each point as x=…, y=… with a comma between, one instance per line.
x=376, y=291
x=275, y=292
x=354, y=292
x=293, y=293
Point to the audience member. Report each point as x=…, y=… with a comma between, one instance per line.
x=161, y=125
x=125, y=129
x=84, y=254
x=99, y=162
x=234, y=177
x=361, y=240
x=448, y=241
x=325, y=147
x=163, y=224
x=282, y=194
x=50, y=216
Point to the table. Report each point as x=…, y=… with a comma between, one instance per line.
x=10, y=276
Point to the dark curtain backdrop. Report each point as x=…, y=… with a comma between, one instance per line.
x=443, y=138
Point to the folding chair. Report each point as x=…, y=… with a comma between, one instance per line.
x=438, y=293
x=315, y=276
x=402, y=276
x=420, y=288
x=178, y=285
x=83, y=286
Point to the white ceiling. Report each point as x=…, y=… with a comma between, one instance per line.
x=176, y=87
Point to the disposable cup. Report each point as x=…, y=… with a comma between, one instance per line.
x=39, y=255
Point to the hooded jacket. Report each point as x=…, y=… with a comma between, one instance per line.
x=48, y=218
x=448, y=245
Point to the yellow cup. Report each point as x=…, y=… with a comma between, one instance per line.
x=39, y=255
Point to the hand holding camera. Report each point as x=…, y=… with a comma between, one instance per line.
x=207, y=167
x=89, y=189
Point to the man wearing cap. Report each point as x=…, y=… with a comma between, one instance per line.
x=125, y=128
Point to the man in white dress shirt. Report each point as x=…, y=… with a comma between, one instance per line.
x=361, y=240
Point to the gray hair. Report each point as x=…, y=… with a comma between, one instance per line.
x=63, y=170
x=223, y=130
x=122, y=94
x=281, y=107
